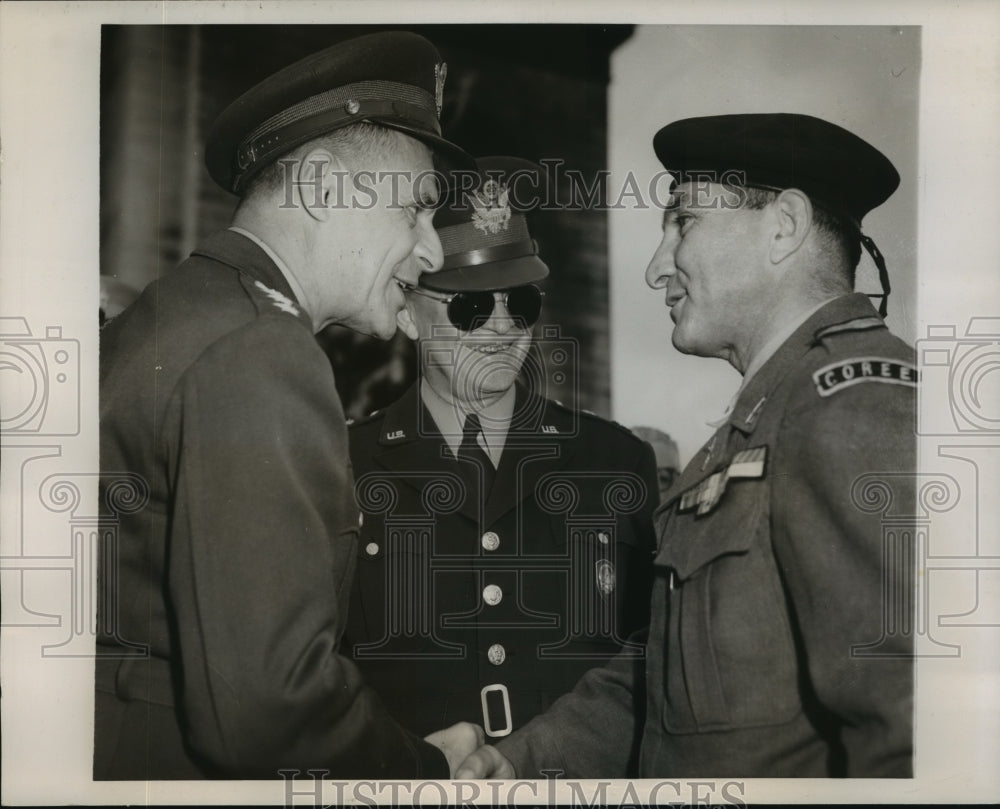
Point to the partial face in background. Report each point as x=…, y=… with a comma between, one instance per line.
x=382, y=231
x=708, y=263
x=469, y=367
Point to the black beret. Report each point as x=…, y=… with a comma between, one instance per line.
x=483, y=228
x=834, y=167
x=394, y=79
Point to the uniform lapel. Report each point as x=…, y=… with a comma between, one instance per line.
x=538, y=443
x=236, y=250
x=411, y=445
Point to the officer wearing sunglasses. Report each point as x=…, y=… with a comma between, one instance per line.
x=506, y=541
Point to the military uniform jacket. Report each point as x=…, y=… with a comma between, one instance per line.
x=488, y=610
x=780, y=641
x=230, y=541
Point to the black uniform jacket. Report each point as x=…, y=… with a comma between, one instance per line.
x=781, y=633
x=230, y=540
x=465, y=608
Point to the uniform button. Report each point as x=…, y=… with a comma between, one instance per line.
x=496, y=654
x=371, y=548
x=491, y=541
x=603, y=537
x=492, y=594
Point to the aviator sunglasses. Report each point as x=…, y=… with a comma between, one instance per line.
x=467, y=311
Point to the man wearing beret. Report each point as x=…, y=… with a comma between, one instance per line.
x=774, y=648
x=225, y=467
x=507, y=540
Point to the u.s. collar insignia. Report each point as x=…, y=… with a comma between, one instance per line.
x=605, y=577
x=284, y=303
x=395, y=435
x=491, y=213
x=440, y=74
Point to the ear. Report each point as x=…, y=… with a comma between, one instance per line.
x=794, y=214
x=320, y=185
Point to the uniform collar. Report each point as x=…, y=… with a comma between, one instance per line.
x=289, y=276
x=450, y=420
x=778, y=339
x=247, y=257
x=408, y=419
x=837, y=312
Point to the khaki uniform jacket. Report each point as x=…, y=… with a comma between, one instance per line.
x=781, y=636
x=226, y=483
x=518, y=594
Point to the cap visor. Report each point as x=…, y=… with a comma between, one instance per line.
x=514, y=272
x=448, y=157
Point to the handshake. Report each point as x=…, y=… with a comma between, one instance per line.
x=469, y=757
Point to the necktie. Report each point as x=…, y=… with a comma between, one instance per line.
x=470, y=452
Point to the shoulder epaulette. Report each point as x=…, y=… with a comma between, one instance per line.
x=592, y=416
x=858, y=324
x=360, y=422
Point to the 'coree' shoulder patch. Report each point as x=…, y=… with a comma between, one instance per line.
x=844, y=374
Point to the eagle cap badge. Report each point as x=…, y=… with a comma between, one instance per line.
x=491, y=211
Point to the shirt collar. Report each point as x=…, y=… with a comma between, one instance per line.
x=450, y=419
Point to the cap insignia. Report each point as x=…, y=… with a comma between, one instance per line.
x=284, y=303
x=440, y=74
x=491, y=213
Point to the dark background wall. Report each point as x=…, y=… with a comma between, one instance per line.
x=538, y=92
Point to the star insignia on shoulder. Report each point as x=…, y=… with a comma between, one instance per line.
x=283, y=302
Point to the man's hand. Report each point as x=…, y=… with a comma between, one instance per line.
x=457, y=742
x=486, y=762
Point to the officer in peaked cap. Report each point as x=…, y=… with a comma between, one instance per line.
x=776, y=644
x=223, y=447
x=526, y=570
x=394, y=79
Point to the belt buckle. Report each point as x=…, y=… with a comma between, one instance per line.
x=490, y=731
